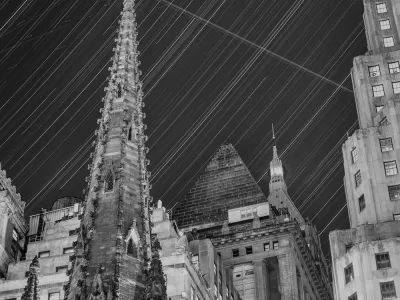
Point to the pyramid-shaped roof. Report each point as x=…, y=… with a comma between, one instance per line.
x=226, y=183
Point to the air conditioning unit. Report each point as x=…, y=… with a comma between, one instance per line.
x=395, y=71
x=374, y=74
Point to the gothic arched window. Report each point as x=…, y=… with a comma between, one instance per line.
x=130, y=134
x=109, y=183
x=119, y=91
x=131, y=249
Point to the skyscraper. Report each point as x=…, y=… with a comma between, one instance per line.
x=365, y=258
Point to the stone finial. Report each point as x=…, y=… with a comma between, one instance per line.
x=159, y=204
x=225, y=227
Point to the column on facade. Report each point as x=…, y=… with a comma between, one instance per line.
x=300, y=285
x=261, y=279
x=288, y=277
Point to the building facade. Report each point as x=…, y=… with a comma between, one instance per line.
x=365, y=258
x=263, y=243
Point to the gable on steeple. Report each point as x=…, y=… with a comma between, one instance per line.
x=226, y=183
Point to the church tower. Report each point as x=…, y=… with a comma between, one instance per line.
x=112, y=251
x=365, y=258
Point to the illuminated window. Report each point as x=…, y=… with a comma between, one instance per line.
x=394, y=67
x=390, y=167
x=385, y=24
x=15, y=235
x=388, y=290
x=378, y=108
x=266, y=247
x=275, y=245
x=374, y=71
x=361, y=202
x=44, y=254
x=394, y=192
x=386, y=144
x=382, y=261
x=348, y=273
x=68, y=250
x=54, y=296
x=378, y=91
x=354, y=155
x=388, y=41
x=396, y=87
x=381, y=8
x=353, y=297
x=357, y=178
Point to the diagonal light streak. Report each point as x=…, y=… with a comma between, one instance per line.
x=248, y=42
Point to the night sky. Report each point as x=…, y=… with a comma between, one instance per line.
x=214, y=71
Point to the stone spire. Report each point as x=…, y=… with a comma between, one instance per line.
x=276, y=169
x=155, y=282
x=31, y=291
x=118, y=188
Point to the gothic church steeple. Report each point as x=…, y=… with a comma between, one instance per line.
x=115, y=214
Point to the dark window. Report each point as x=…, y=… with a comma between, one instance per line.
x=386, y=144
x=394, y=192
x=361, y=202
x=348, y=247
x=68, y=250
x=44, y=254
x=219, y=254
x=27, y=274
x=348, y=273
x=275, y=245
x=353, y=297
x=130, y=134
x=357, y=178
x=249, y=250
x=383, y=122
x=131, y=249
x=390, y=167
x=109, y=183
x=388, y=290
x=266, y=246
x=54, y=296
x=235, y=252
x=396, y=217
x=382, y=261
x=61, y=269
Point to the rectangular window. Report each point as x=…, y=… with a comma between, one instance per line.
x=54, y=296
x=381, y=8
x=235, y=252
x=353, y=297
x=394, y=192
x=382, y=261
x=249, y=212
x=377, y=90
x=388, y=290
x=266, y=247
x=383, y=122
x=61, y=269
x=361, y=202
x=249, y=250
x=378, y=108
x=388, y=41
x=44, y=254
x=254, y=211
x=390, y=168
x=348, y=273
x=27, y=273
x=386, y=144
x=396, y=87
x=354, y=155
x=195, y=261
x=396, y=217
x=348, y=247
x=384, y=24
x=243, y=213
x=68, y=250
x=275, y=245
x=357, y=178
x=374, y=71
x=394, y=67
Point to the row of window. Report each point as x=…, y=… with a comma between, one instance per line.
x=384, y=24
x=67, y=250
x=394, y=195
x=386, y=145
x=388, y=291
x=52, y=296
x=375, y=71
x=379, y=91
x=249, y=249
x=382, y=262
x=390, y=170
x=249, y=212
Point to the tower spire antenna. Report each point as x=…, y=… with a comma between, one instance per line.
x=273, y=135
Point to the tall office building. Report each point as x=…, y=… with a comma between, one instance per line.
x=366, y=258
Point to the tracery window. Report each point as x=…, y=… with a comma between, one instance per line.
x=109, y=183
x=131, y=249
